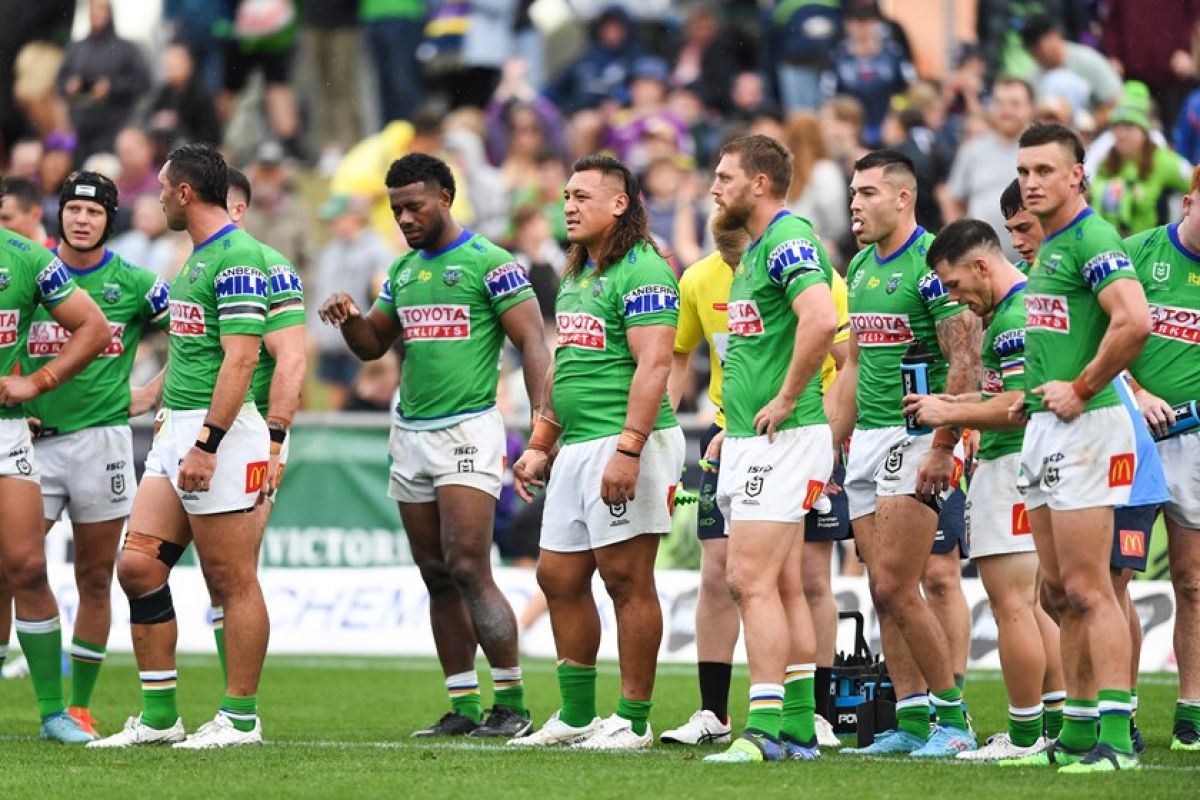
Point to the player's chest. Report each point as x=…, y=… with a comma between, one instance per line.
x=591, y=294
x=880, y=289
x=423, y=284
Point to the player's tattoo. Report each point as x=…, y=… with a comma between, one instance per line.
x=959, y=338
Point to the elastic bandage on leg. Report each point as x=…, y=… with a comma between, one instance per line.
x=168, y=553
x=153, y=608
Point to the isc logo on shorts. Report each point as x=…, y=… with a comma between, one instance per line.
x=881, y=330
x=1121, y=469
x=435, y=322
x=9, y=322
x=1020, y=520
x=256, y=476
x=46, y=339
x=581, y=330
x=1047, y=312
x=1180, y=324
x=187, y=319
x=744, y=318
x=506, y=279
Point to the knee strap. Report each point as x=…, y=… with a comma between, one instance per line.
x=153, y=608
x=168, y=553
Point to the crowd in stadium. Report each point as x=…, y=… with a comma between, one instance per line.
x=985, y=273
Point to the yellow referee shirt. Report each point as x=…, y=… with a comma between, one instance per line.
x=703, y=300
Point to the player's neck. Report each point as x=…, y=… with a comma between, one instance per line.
x=79, y=260
x=1188, y=237
x=762, y=216
x=1006, y=278
x=1065, y=214
x=450, y=233
x=204, y=223
x=887, y=247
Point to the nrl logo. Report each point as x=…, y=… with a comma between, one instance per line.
x=1161, y=271
x=112, y=293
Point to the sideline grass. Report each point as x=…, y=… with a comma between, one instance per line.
x=338, y=727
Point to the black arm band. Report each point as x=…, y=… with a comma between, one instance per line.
x=277, y=435
x=210, y=438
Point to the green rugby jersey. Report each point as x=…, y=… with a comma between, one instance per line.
x=30, y=276
x=285, y=308
x=1003, y=359
x=221, y=291
x=131, y=299
x=449, y=305
x=1169, y=365
x=787, y=259
x=593, y=365
x=894, y=301
x=1064, y=321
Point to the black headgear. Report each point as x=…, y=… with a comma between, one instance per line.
x=89, y=186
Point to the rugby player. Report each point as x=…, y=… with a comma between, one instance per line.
x=611, y=491
x=454, y=298
x=895, y=480
x=1086, y=320
x=205, y=470
x=82, y=439
x=778, y=454
x=1167, y=260
x=31, y=277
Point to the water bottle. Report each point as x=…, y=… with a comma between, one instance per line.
x=1186, y=419
x=914, y=377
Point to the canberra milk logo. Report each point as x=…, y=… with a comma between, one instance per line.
x=240, y=281
x=930, y=287
x=284, y=279
x=1100, y=267
x=651, y=300
x=794, y=257
x=1008, y=342
x=53, y=279
x=506, y=279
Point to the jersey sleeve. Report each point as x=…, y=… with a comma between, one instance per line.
x=796, y=262
x=650, y=293
x=384, y=301
x=936, y=298
x=54, y=283
x=1009, y=349
x=285, y=296
x=506, y=282
x=688, y=331
x=842, y=303
x=1109, y=261
x=241, y=297
x=155, y=305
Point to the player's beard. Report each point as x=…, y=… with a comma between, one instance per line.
x=732, y=217
x=430, y=235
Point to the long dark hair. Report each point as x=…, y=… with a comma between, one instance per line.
x=1145, y=160
x=630, y=229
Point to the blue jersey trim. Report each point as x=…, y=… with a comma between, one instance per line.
x=228, y=229
x=1173, y=235
x=774, y=219
x=915, y=235
x=461, y=240
x=1087, y=212
x=79, y=273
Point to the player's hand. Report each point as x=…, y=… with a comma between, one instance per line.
x=1158, y=412
x=196, y=471
x=930, y=410
x=971, y=445
x=712, y=453
x=1017, y=412
x=141, y=400
x=274, y=474
x=338, y=309
x=619, y=483
x=773, y=413
x=936, y=474
x=1060, y=398
x=35, y=425
x=17, y=389
x=530, y=470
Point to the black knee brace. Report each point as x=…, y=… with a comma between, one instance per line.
x=153, y=608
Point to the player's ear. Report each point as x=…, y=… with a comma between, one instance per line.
x=620, y=204
x=445, y=199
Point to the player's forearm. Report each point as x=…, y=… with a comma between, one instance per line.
x=677, y=382
x=811, y=347
x=287, y=383
x=155, y=384
x=85, y=343
x=985, y=415
x=842, y=409
x=362, y=339
x=1121, y=344
x=233, y=382
x=646, y=390
x=536, y=365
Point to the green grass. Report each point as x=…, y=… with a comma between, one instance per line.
x=338, y=727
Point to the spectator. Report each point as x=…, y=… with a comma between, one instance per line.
x=749, y=97
x=908, y=132
x=870, y=65
x=963, y=92
x=708, y=58
x=602, y=74
x=547, y=192
x=102, y=77
x=984, y=166
x=1061, y=61
x=519, y=122
x=465, y=47
x=21, y=209
x=1130, y=185
x=818, y=188
x=47, y=22
x=182, y=108
x=58, y=161
x=999, y=24
x=198, y=24
x=1153, y=48
x=349, y=262
x=36, y=69
x=842, y=127
x=277, y=214
x=543, y=258
x=139, y=173
x=669, y=205
x=376, y=385
x=484, y=184
x=799, y=37
x=1187, y=124
x=264, y=44
x=25, y=159
x=332, y=43
x=148, y=243
x=393, y=32
x=647, y=118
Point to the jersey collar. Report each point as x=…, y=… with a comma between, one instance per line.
x=108, y=254
x=461, y=240
x=917, y=234
x=228, y=229
x=1016, y=288
x=783, y=213
x=1173, y=235
x=1087, y=211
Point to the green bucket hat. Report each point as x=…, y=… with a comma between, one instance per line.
x=1134, y=106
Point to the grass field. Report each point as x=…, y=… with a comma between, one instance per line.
x=339, y=727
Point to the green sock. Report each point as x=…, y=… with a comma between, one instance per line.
x=577, y=685
x=1188, y=711
x=1052, y=715
x=463, y=689
x=949, y=707
x=1024, y=725
x=41, y=642
x=766, y=708
x=960, y=680
x=218, y=629
x=159, y=710
x=508, y=689
x=912, y=715
x=1079, y=724
x=1115, y=710
x=241, y=711
x=636, y=711
x=799, y=703
x=86, y=660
